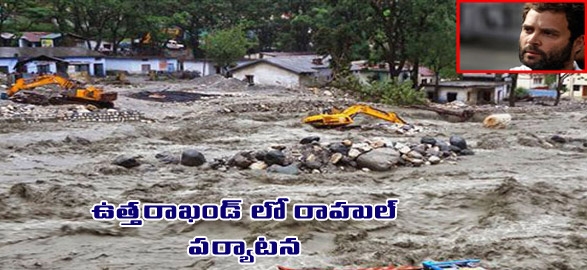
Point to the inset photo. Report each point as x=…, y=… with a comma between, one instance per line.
x=520, y=37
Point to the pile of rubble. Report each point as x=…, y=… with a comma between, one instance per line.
x=311, y=156
x=219, y=82
x=36, y=114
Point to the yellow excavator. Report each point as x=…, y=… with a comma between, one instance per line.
x=338, y=118
x=71, y=92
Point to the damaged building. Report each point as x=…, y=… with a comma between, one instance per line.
x=473, y=89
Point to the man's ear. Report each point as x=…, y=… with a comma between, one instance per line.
x=579, y=45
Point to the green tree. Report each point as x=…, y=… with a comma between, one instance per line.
x=8, y=9
x=433, y=38
x=550, y=79
x=225, y=47
x=196, y=18
x=88, y=18
x=440, y=54
x=392, y=19
x=342, y=32
x=26, y=15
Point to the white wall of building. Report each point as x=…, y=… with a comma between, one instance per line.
x=10, y=63
x=530, y=81
x=90, y=61
x=266, y=74
x=205, y=68
x=141, y=66
x=577, y=82
x=32, y=67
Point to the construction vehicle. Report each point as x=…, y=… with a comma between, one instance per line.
x=20, y=91
x=337, y=118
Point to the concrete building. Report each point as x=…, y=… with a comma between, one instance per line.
x=78, y=60
x=577, y=86
x=366, y=72
x=576, y=82
x=470, y=92
x=291, y=71
x=141, y=65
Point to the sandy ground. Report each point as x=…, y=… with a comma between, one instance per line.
x=516, y=204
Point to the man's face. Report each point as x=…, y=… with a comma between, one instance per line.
x=544, y=41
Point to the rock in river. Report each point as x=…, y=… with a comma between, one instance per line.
x=380, y=159
x=192, y=158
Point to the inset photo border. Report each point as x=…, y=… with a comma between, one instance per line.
x=494, y=37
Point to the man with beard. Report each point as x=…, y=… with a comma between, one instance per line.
x=552, y=36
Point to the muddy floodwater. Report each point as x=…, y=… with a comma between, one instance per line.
x=520, y=202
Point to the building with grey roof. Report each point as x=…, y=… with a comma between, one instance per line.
x=291, y=71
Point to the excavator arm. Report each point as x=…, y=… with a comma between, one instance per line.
x=368, y=110
x=337, y=118
x=22, y=84
x=72, y=91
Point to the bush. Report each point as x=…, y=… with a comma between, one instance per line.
x=349, y=84
x=521, y=92
x=402, y=94
x=387, y=92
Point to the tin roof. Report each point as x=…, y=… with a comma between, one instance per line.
x=59, y=52
x=52, y=36
x=295, y=63
x=33, y=36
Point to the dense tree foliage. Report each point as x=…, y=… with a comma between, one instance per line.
x=226, y=46
x=418, y=32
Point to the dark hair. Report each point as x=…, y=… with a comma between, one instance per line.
x=575, y=15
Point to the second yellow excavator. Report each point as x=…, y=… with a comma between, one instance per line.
x=337, y=118
x=71, y=92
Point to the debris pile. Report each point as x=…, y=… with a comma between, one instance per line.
x=219, y=82
x=408, y=130
x=36, y=114
x=311, y=156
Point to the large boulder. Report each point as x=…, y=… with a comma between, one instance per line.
x=458, y=141
x=192, y=158
x=442, y=145
x=428, y=140
x=275, y=157
x=338, y=148
x=242, y=160
x=380, y=159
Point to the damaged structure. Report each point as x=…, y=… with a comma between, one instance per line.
x=474, y=89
